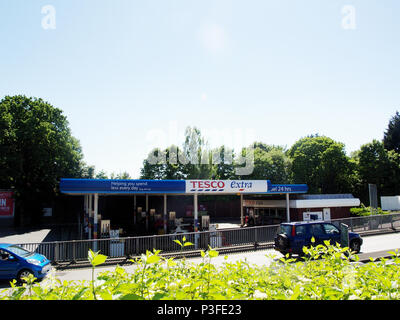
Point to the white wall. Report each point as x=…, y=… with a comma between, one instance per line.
x=390, y=203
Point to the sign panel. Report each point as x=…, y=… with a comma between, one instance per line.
x=227, y=186
x=83, y=186
x=6, y=204
x=116, y=186
x=288, y=188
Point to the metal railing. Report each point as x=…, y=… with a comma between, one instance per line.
x=77, y=250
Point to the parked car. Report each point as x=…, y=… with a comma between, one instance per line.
x=17, y=263
x=293, y=236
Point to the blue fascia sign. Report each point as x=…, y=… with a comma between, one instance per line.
x=288, y=188
x=116, y=186
x=86, y=186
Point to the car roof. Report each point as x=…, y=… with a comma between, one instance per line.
x=294, y=223
x=5, y=245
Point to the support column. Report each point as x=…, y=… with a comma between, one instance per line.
x=95, y=213
x=90, y=216
x=196, y=220
x=86, y=215
x=134, y=209
x=287, y=208
x=196, y=213
x=147, y=212
x=165, y=213
x=241, y=210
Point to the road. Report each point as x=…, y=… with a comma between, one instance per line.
x=371, y=244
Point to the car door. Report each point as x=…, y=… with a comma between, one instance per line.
x=8, y=266
x=332, y=232
x=318, y=232
x=301, y=238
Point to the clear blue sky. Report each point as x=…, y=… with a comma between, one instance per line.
x=126, y=71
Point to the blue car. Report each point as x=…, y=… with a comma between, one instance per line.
x=293, y=236
x=17, y=263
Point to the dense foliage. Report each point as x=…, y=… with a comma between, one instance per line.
x=327, y=273
x=367, y=211
x=36, y=150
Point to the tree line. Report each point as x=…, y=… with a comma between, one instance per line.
x=316, y=160
x=37, y=149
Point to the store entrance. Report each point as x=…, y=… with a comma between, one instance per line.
x=264, y=216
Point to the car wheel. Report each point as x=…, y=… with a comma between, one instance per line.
x=23, y=274
x=355, y=246
x=283, y=241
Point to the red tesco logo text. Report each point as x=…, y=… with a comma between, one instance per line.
x=208, y=184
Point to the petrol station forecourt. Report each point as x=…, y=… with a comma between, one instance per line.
x=92, y=189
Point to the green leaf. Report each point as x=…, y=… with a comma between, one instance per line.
x=153, y=259
x=106, y=296
x=79, y=294
x=186, y=244
x=98, y=260
x=159, y=296
x=296, y=293
x=178, y=242
x=131, y=296
x=213, y=253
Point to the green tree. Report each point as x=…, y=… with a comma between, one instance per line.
x=222, y=163
x=153, y=166
x=121, y=175
x=36, y=150
x=101, y=175
x=322, y=164
x=378, y=166
x=192, y=161
x=196, y=157
x=391, y=139
x=270, y=162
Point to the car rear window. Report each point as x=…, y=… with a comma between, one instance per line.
x=285, y=229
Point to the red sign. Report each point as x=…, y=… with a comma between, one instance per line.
x=6, y=204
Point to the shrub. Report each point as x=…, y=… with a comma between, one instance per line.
x=328, y=272
x=367, y=211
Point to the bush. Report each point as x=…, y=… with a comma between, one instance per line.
x=366, y=211
x=327, y=272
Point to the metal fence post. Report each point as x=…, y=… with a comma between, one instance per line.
x=56, y=252
x=255, y=237
x=73, y=250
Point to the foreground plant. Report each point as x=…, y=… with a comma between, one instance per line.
x=327, y=272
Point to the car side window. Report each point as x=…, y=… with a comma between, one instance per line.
x=317, y=230
x=3, y=255
x=300, y=230
x=330, y=229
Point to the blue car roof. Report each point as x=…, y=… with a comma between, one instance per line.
x=5, y=245
x=304, y=222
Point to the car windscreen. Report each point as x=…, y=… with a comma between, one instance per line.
x=285, y=229
x=19, y=251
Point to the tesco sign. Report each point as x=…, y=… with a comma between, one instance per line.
x=227, y=186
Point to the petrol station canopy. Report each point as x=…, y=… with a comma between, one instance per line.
x=177, y=187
